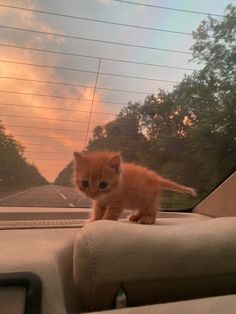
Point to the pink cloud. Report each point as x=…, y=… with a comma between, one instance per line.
x=61, y=142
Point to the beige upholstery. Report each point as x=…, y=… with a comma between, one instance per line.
x=221, y=202
x=47, y=253
x=155, y=263
x=214, y=305
x=178, y=218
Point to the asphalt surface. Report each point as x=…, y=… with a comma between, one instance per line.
x=47, y=196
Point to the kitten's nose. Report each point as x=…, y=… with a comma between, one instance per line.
x=93, y=194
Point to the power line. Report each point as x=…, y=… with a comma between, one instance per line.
x=75, y=85
x=98, y=20
x=48, y=171
x=63, y=109
x=139, y=77
x=41, y=167
x=40, y=152
x=40, y=128
x=53, y=119
x=60, y=97
x=53, y=153
x=94, y=40
x=169, y=8
x=42, y=81
x=48, y=51
x=121, y=24
x=42, y=65
x=94, y=72
x=92, y=103
x=125, y=91
x=54, y=137
x=61, y=159
x=54, y=129
x=49, y=145
x=92, y=57
x=30, y=127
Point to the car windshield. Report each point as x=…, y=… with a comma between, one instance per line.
x=155, y=81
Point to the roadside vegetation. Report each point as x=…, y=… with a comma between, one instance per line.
x=16, y=173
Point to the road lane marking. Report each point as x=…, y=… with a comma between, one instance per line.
x=10, y=196
x=63, y=196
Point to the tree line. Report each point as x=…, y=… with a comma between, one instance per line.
x=15, y=171
x=188, y=134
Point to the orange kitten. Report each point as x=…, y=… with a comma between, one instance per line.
x=115, y=185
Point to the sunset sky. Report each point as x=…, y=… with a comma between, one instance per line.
x=37, y=120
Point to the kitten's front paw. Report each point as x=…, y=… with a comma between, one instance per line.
x=133, y=217
x=94, y=219
x=91, y=220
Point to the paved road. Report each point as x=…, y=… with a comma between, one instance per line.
x=47, y=196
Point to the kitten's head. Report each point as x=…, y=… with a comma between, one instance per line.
x=97, y=173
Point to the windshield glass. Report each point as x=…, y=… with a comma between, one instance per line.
x=154, y=82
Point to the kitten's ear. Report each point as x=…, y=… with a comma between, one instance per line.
x=115, y=162
x=78, y=157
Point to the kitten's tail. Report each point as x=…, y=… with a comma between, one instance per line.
x=173, y=186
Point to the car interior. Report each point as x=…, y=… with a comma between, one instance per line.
x=151, y=84
x=62, y=264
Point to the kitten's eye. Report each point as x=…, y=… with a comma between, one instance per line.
x=84, y=184
x=103, y=185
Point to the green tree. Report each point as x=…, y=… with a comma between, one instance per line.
x=15, y=171
x=193, y=127
x=123, y=134
x=65, y=177
x=213, y=100
x=98, y=132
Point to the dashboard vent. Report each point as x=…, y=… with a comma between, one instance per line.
x=41, y=224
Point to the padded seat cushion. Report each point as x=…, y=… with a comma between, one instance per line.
x=155, y=263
